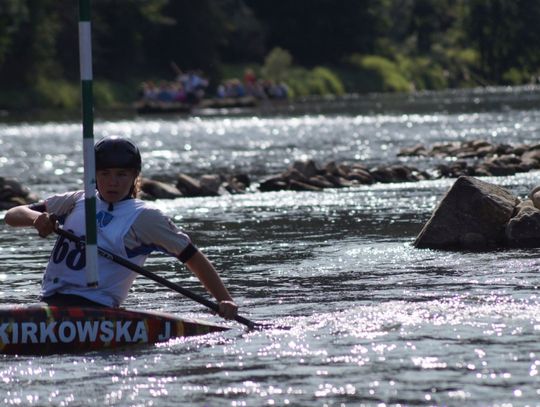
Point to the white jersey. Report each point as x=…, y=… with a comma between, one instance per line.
x=132, y=229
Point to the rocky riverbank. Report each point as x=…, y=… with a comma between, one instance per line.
x=446, y=160
x=477, y=158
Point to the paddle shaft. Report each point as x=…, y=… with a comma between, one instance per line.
x=158, y=279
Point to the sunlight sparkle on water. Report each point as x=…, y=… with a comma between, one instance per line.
x=371, y=318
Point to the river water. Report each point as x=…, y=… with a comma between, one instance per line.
x=373, y=320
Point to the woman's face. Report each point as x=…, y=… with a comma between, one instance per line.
x=114, y=184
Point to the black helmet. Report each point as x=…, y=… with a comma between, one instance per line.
x=116, y=152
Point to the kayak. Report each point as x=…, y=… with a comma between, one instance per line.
x=40, y=329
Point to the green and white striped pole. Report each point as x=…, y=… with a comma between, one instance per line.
x=85, y=58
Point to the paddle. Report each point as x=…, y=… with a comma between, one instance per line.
x=173, y=286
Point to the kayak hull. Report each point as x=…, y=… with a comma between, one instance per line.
x=41, y=329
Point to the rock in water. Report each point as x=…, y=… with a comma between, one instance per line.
x=523, y=230
x=153, y=189
x=13, y=193
x=471, y=216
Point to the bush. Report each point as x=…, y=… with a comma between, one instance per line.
x=379, y=74
x=515, y=76
x=276, y=64
x=461, y=64
x=104, y=94
x=297, y=82
x=423, y=73
x=327, y=81
x=57, y=94
x=318, y=81
x=67, y=95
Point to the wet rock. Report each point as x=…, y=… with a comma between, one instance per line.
x=319, y=181
x=307, y=176
x=329, y=181
x=534, y=196
x=360, y=175
x=302, y=186
x=13, y=193
x=482, y=171
x=502, y=149
x=210, y=185
x=473, y=241
x=477, y=158
x=472, y=215
x=275, y=183
x=455, y=170
x=445, y=149
x=382, y=174
x=523, y=230
x=394, y=173
x=469, y=149
x=480, y=158
x=402, y=173
x=484, y=151
x=153, y=189
x=188, y=185
x=294, y=175
x=498, y=168
x=416, y=150
x=533, y=154
x=308, y=168
x=521, y=149
x=421, y=175
x=332, y=168
x=461, y=168
x=237, y=184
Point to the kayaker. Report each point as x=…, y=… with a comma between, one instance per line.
x=126, y=226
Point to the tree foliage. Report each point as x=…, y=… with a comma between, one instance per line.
x=506, y=35
x=427, y=43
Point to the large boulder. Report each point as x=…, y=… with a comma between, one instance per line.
x=471, y=216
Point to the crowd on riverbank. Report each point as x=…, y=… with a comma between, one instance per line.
x=192, y=87
x=188, y=88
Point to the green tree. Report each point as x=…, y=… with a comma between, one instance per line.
x=12, y=14
x=193, y=39
x=321, y=31
x=244, y=40
x=506, y=34
x=30, y=51
x=429, y=21
x=125, y=32
x=277, y=64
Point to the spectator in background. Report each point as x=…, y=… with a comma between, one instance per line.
x=195, y=87
x=252, y=86
x=148, y=91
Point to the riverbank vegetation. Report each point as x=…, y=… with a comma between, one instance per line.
x=314, y=47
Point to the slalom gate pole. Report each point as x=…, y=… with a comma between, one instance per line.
x=85, y=59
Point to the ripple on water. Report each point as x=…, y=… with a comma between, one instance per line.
x=372, y=320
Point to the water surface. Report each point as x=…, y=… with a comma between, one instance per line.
x=373, y=320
